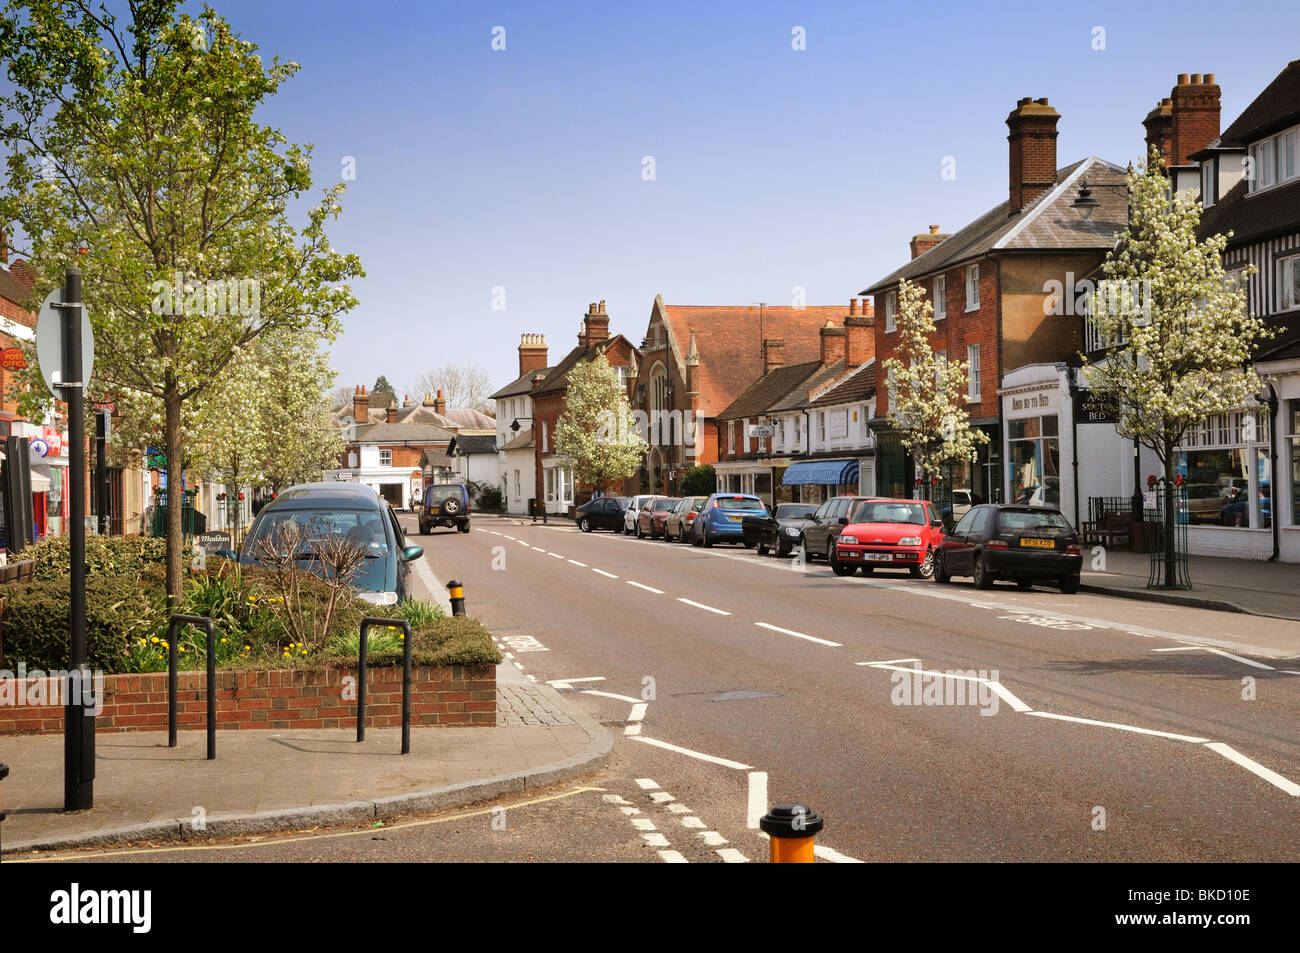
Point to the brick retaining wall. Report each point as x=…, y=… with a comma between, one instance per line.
x=279, y=699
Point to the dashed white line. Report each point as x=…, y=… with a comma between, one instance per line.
x=641, y=585
x=693, y=822
x=712, y=838
x=632, y=729
x=576, y=563
x=797, y=635
x=647, y=784
x=537, y=549
x=756, y=805
x=638, y=711
x=644, y=824
x=661, y=797
x=890, y=661
x=732, y=856
x=555, y=555
x=700, y=605
x=712, y=759
x=603, y=573
x=655, y=840
x=834, y=856
x=678, y=808
x=672, y=857
x=566, y=682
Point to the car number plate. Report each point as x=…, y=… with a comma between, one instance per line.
x=1033, y=542
x=735, y=519
x=878, y=557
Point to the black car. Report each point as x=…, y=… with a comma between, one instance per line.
x=1027, y=544
x=825, y=524
x=603, y=512
x=779, y=531
x=313, y=514
x=445, y=504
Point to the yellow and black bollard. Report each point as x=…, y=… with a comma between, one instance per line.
x=790, y=829
x=457, y=593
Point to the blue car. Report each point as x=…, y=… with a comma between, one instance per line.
x=721, y=519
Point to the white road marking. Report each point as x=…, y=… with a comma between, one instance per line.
x=537, y=549
x=622, y=698
x=797, y=635
x=732, y=856
x=700, y=605
x=891, y=661
x=1243, y=661
x=531, y=677
x=638, y=711
x=655, y=840
x=646, y=784
x=672, y=857
x=556, y=555
x=693, y=822
x=508, y=536
x=615, y=799
x=1254, y=767
x=584, y=566
x=712, y=838
x=603, y=573
x=996, y=687
x=678, y=808
x=712, y=759
x=1116, y=725
x=630, y=811
x=639, y=585
x=1177, y=648
x=756, y=805
x=644, y=824
x=1287, y=671
x=634, y=729
x=574, y=681
x=1006, y=695
x=834, y=856
x=661, y=797
x=522, y=543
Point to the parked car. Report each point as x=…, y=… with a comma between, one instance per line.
x=1236, y=512
x=826, y=523
x=603, y=512
x=632, y=511
x=1028, y=544
x=682, y=516
x=777, y=531
x=445, y=504
x=313, y=514
x=650, y=521
x=962, y=500
x=889, y=534
x=1203, y=504
x=720, y=520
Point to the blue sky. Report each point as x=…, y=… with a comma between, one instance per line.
x=774, y=168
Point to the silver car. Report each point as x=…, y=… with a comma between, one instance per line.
x=633, y=509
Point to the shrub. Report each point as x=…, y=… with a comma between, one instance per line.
x=458, y=640
x=490, y=498
x=105, y=556
x=699, y=481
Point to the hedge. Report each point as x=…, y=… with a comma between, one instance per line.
x=35, y=624
x=105, y=556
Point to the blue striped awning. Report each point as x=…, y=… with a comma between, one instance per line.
x=821, y=473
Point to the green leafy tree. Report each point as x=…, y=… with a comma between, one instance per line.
x=597, y=432
x=1179, y=333
x=926, y=394
x=699, y=481
x=135, y=141
x=383, y=395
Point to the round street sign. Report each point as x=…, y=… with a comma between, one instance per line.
x=39, y=446
x=49, y=342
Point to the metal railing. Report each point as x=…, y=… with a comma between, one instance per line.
x=173, y=624
x=405, y=626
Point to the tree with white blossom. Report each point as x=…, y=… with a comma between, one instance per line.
x=597, y=431
x=927, y=394
x=1180, y=337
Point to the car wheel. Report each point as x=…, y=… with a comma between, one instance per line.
x=708, y=540
x=1070, y=584
x=584, y=524
x=638, y=533
x=761, y=549
x=695, y=538
x=926, y=569
x=940, y=572
x=1024, y=585
x=982, y=578
x=837, y=567
x=782, y=549
x=464, y=527
x=424, y=529
x=451, y=507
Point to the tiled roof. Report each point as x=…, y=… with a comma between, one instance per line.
x=464, y=443
x=403, y=433
x=16, y=282
x=1048, y=223
x=522, y=441
x=799, y=398
x=557, y=377
x=1253, y=217
x=727, y=339
x=770, y=387
x=1277, y=107
x=523, y=384
x=859, y=385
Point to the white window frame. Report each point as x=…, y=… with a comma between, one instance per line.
x=940, y=295
x=1287, y=271
x=385, y=454
x=1276, y=160
x=973, y=390
x=891, y=312
x=1209, y=182
x=517, y=487
x=973, y=287
x=731, y=437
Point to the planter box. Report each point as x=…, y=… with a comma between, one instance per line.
x=279, y=699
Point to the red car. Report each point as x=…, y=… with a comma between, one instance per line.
x=650, y=521
x=889, y=534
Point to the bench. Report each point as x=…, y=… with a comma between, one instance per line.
x=1107, y=531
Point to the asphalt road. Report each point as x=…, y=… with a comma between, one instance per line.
x=1090, y=729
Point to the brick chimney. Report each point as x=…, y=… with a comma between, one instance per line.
x=361, y=405
x=832, y=343
x=440, y=404
x=390, y=413
x=1194, y=110
x=532, y=353
x=1159, y=127
x=595, y=325
x=859, y=339
x=773, y=354
x=921, y=244
x=1033, y=151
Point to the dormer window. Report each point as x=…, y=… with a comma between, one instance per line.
x=1274, y=160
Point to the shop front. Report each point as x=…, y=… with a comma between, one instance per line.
x=814, y=481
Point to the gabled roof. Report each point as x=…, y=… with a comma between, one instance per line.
x=523, y=384
x=729, y=345
x=522, y=441
x=1046, y=224
x=403, y=433
x=1277, y=107
x=1253, y=217
x=557, y=377
x=858, y=385
x=772, y=386
x=465, y=444
x=803, y=394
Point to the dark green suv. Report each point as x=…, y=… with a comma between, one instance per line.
x=445, y=504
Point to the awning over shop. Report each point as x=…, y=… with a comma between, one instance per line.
x=821, y=473
x=40, y=481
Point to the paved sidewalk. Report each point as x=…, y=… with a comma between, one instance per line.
x=276, y=780
x=1238, y=585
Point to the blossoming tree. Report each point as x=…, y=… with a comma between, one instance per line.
x=597, y=431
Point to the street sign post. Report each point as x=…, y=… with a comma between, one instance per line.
x=65, y=349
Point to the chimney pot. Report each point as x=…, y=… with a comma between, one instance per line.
x=853, y=306
x=934, y=229
x=1182, y=79
x=1209, y=79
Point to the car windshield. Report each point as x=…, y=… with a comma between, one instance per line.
x=890, y=513
x=1019, y=521
x=661, y=505
x=308, y=531
x=794, y=511
x=447, y=491
x=738, y=503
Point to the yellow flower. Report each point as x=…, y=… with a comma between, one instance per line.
x=154, y=639
x=304, y=651
x=224, y=641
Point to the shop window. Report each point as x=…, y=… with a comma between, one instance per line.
x=1035, y=461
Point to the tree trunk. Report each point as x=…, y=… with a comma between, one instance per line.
x=175, y=496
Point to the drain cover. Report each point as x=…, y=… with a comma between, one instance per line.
x=737, y=696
